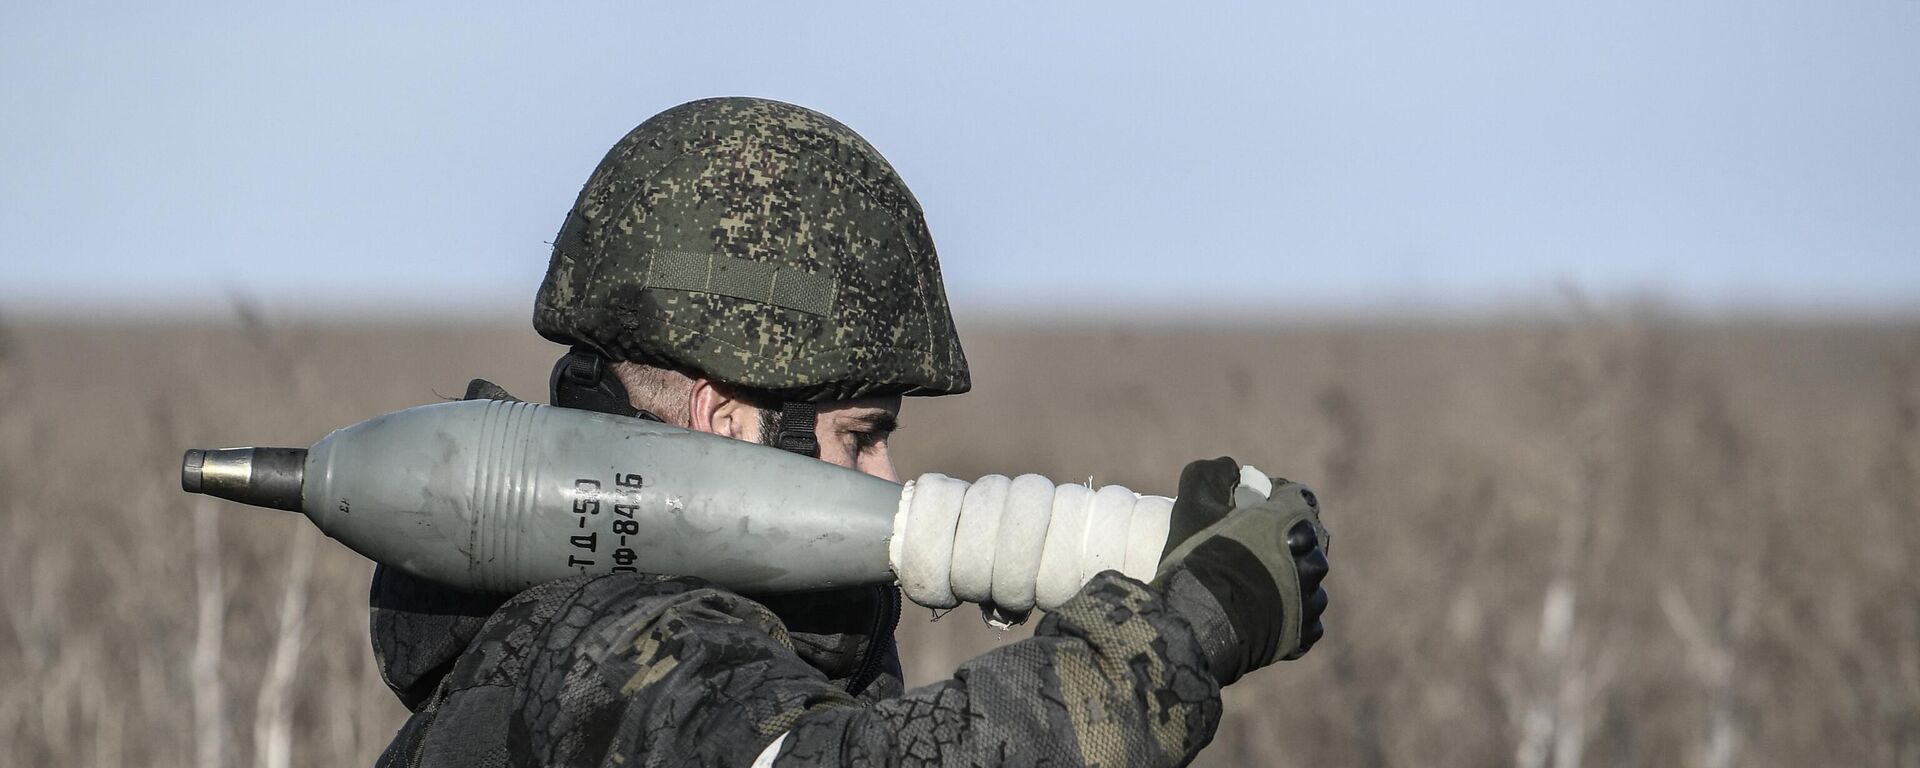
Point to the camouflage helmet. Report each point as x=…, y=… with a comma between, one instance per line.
x=759, y=244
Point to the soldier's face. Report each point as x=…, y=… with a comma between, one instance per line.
x=852, y=433
x=857, y=434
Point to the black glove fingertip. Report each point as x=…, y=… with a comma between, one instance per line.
x=1302, y=539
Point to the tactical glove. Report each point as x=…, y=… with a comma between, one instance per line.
x=1244, y=564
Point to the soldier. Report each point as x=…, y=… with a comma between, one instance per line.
x=756, y=270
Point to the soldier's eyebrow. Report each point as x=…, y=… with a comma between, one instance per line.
x=881, y=423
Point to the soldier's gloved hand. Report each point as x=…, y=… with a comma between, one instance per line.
x=1245, y=567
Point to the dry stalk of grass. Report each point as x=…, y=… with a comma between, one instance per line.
x=273, y=719
x=209, y=693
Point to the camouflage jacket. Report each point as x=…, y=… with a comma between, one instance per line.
x=649, y=670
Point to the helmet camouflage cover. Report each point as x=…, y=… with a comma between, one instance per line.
x=760, y=244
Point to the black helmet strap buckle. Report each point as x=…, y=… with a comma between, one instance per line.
x=796, y=429
x=585, y=380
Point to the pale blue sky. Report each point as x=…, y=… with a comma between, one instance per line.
x=1291, y=157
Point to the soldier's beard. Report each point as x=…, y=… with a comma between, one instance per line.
x=769, y=427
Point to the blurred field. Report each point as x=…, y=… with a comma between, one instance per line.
x=1608, y=541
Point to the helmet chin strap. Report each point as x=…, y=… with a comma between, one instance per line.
x=797, y=420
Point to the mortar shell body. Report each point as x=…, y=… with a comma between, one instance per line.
x=497, y=496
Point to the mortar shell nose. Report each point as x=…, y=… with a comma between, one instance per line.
x=190, y=470
x=263, y=477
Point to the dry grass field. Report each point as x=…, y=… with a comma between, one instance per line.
x=1606, y=541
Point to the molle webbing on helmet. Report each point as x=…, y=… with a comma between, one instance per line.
x=785, y=287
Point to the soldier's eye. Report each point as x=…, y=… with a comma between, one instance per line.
x=868, y=434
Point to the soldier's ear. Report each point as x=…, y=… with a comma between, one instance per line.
x=713, y=409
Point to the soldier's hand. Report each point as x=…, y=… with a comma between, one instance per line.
x=1258, y=554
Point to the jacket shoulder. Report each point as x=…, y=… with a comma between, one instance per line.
x=479, y=705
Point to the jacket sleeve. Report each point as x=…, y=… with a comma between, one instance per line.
x=644, y=672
